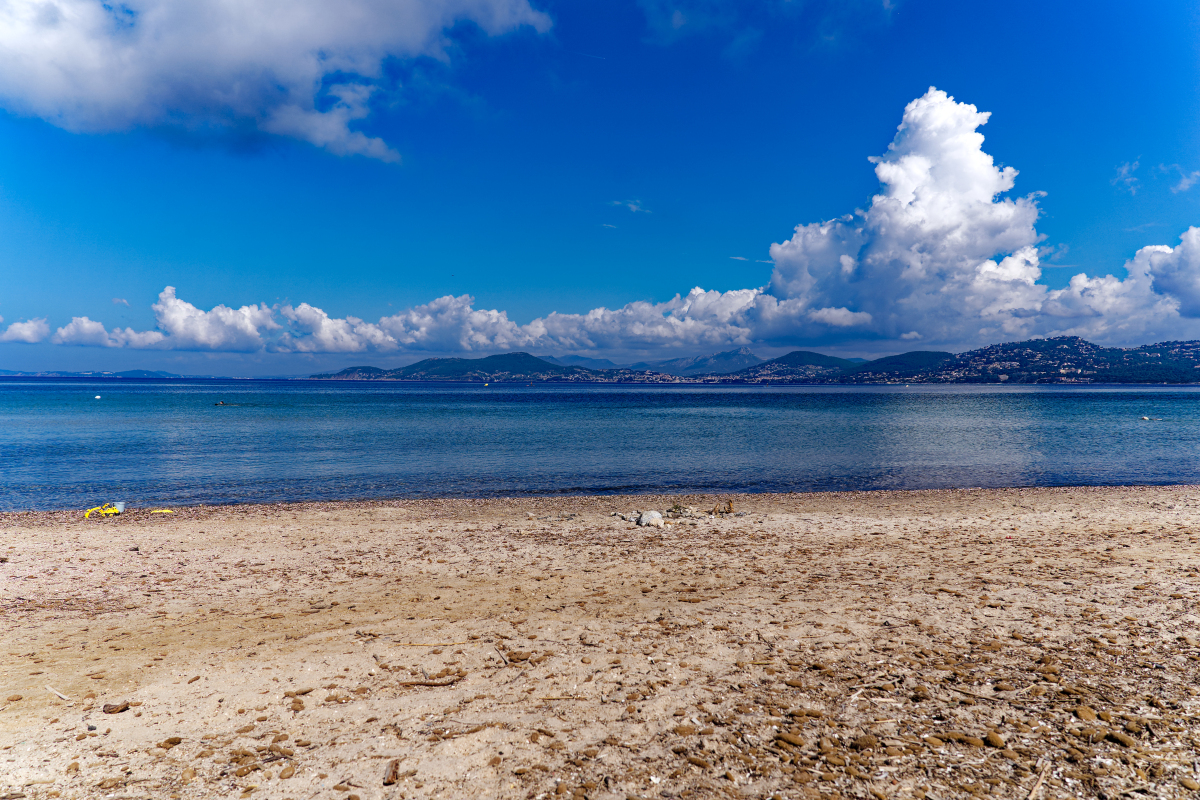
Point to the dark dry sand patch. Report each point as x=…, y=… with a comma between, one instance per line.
x=1013, y=643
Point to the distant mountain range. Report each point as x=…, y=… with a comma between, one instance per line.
x=716, y=364
x=582, y=361
x=1061, y=360
x=509, y=367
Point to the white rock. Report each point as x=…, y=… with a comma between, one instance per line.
x=651, y=519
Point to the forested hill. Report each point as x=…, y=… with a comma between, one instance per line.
x=1065, y=359
x=1070, y=359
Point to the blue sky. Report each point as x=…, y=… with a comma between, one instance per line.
x=554, y=157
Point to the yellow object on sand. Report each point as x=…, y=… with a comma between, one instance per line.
x=162, y=511
x=106, y=510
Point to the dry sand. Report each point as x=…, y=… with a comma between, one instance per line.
x=929, y=644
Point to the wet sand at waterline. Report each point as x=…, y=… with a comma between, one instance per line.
x=1016, y=643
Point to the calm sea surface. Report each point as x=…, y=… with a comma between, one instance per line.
x=168, y=443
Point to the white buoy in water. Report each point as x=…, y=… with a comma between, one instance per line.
x=97, y=397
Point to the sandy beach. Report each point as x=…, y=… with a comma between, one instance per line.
x=1016, y=643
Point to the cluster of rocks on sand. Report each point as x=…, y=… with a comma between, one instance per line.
x=1018, y=643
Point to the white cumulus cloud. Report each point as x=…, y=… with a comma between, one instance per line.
x=299, y=68
x=315, y=332
x=699, y=319
x=29, y=332
x=942, y=254
x=223, y=328
x=182, y=326
x=85, y=331
x=927, y=242
x=840, y=317
x=453, y=324
x=1173, y=273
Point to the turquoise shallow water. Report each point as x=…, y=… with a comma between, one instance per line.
x=168, y=443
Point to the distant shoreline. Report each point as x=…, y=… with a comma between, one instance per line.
x=680, y=383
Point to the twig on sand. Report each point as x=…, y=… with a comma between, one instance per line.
x=52, y=690
x=424, y=644
x=503, y=657
x=446, y=682
x=1038, y=784
x=985, y=697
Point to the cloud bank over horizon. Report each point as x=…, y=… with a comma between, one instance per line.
x=304, y=69
x=940, y=257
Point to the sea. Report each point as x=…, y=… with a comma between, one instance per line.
x=69, y=444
